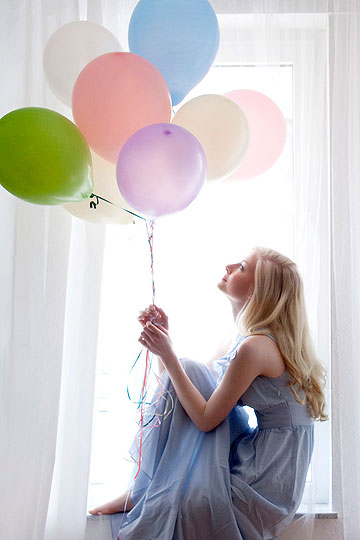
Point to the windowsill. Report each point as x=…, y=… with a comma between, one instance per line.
x=321, y=513
x=99, y=527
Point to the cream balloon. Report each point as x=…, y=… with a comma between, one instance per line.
x=69, y=49
x=105, y=185
x=222, y=129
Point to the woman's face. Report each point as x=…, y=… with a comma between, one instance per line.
x=238, y=282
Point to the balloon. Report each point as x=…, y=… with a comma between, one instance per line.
x=179, y=37
x=44, y=159
x=267, y=132
x=114, y=96
x=68, y=51
x=105, y=185
x=221, y=128
x=161, y=169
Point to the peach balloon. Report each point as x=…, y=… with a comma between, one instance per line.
x=114, y=96
x=267, y=132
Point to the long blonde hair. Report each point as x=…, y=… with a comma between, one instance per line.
x=277, y=307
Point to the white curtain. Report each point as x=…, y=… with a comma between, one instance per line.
x=345, y=203
x=50, y=269
x=324, y=46
x=51, y=263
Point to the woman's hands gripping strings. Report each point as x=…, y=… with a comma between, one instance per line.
x=155, y=315
x=155, y=336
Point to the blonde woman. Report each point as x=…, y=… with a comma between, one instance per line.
x=205, y=475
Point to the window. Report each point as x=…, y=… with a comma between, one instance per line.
x=191, y=249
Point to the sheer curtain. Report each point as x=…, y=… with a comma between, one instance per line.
x=50, y=269
x=325, y=48
x=345, y=200
x=51, y=263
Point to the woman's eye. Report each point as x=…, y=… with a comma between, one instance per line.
x=241, y=267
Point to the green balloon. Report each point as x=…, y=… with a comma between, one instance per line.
x=44, y=158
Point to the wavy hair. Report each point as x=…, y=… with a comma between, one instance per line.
x=276, y=306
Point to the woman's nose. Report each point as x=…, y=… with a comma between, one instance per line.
x=228, y=268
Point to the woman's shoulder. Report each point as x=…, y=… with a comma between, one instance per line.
x=264, y=349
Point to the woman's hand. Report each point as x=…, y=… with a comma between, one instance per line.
x=157, y=340
x=155, y=315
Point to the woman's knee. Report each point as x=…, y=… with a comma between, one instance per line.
x=193, y=369
x=199, y=375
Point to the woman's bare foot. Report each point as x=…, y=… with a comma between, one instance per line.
x=121, y=504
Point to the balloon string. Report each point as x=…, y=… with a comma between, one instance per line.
x=94, y=204
x=150, y=232
x=142, y=411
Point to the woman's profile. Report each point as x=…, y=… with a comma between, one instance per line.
x=205, y=474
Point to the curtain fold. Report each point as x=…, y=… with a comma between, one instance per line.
x=50, y=272
x=67, y=506
x=345, y=189
x=31, y=364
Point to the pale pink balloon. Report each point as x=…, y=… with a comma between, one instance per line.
x=115, y=95
x=267, y=132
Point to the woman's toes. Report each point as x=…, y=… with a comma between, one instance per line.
x=94, y=511
x=121, y=504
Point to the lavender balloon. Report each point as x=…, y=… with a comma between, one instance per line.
x=161, y=169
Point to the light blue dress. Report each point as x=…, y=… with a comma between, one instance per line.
x=232, y=483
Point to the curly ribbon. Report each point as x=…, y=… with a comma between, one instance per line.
x=153, y=408
x=150, y=233
x=143, y=392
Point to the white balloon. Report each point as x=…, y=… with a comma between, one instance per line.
x=105, y=185
x=70, y=48
x=221, y=128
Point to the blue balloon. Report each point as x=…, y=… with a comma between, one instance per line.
x=179, y=37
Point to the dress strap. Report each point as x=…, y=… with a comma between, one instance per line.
x=268, y=335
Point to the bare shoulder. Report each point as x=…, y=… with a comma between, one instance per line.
x=265, y=353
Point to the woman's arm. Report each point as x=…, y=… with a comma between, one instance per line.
x=161, y=367
x=206, y=415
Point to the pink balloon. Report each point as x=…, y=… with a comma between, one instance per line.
x=161, y=169
x=267, y=132
x=114, y=96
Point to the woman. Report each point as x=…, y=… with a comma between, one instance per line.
x=204, y=474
